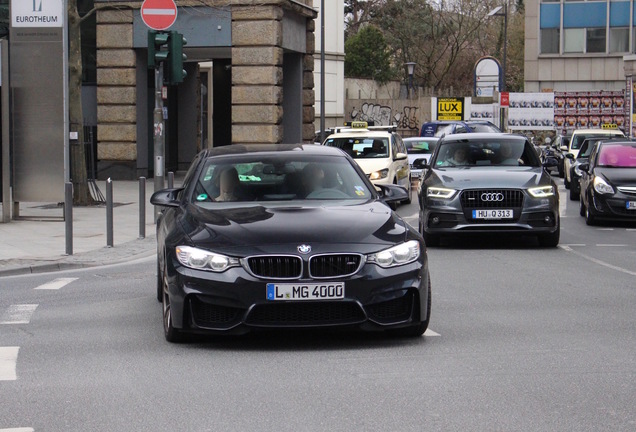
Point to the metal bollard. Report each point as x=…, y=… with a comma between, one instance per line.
x=142, y=207
x=109, y=212
x=170, y=180
x=68, y=216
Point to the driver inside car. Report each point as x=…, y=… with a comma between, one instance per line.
x=312, y=179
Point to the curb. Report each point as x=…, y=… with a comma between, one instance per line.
x=123, y=253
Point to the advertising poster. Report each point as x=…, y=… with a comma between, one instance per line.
x=531, y=111
x=482, y=111
x=450, y=108
x=574, y=110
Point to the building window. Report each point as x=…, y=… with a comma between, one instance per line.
x=550, y=41
x=574, y=40
x=619, y=40
x=595, y=40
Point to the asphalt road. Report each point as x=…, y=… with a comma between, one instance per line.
x=522, y=339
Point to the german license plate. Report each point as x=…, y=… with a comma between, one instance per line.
x=631, y=205
x=492, y=214
x=301, y=291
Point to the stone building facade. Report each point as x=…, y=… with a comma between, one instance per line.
x=262, y=79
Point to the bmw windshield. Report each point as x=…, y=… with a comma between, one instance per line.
x=249, y=178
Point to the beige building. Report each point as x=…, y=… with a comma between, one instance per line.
x=578, y=45
x=256, y=85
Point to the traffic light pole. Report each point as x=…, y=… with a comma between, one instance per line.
x=159, y=135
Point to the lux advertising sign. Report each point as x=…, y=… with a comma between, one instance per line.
x=37, y=13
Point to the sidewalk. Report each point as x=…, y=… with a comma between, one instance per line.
x=36, y=242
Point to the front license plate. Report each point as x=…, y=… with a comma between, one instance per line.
x=300, y=291
x=492, y=214
x=631, y=205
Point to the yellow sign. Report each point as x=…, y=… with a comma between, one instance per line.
x=609, y=126
x=450, y=108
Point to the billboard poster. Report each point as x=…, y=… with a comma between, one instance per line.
x=574, y=110
x=531, y=111
x=482, y=111
x=450, y=108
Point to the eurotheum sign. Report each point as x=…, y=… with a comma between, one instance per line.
x=450, y=108
x=37, y=13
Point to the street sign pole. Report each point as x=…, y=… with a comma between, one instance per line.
x=159, y=136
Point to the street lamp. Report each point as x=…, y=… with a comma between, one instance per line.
x=497, y=12
x=410, y=67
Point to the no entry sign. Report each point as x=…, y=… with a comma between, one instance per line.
x=159, y=14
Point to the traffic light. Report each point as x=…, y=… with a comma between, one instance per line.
x=175, y=72
x=158, y=48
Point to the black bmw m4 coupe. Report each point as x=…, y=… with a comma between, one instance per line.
x=286, y=236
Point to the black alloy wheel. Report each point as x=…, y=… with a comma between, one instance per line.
x=170, y=333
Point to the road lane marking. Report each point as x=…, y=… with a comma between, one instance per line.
x=597, y=261
x=8, y=361
x=18, y=314
x=610, y=245
x=574, y=244
x=56, y=284
x=22, y=429
x=430, y=332
x=605, y=229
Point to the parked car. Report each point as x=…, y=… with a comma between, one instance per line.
x=575, y=171
x=379, y=150
x=286, y=236
x=608, y=183
x=441, y=128
x=498, y=185
x=419, y=148
x=578, y=136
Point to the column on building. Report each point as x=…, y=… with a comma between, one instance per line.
x=257, y=59
x=309, y=97
x=257, y=72
x=116, y=95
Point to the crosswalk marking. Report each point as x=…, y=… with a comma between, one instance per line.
x=56, y=284
x=8, y=360
x=18, y=314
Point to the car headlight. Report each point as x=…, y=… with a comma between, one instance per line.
x=440, y=193
x=601, y=186
x=204, y=260
x=377, y=175
x=541, y=192
x=397, y=255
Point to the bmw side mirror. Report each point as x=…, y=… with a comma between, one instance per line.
x=166, y=198
x=391, y=193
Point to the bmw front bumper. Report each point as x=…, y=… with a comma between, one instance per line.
x=235, y=302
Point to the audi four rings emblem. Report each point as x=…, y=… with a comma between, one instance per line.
x=492, y=197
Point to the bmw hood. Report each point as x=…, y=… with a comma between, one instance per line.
x=260, y=229
x=488, y=177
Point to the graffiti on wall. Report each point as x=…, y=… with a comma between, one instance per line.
x=381, y=115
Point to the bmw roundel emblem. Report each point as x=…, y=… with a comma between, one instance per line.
x=304, y=249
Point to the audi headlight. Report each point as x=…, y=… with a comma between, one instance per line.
x=377, y=175
x=397, y=255
x=541, y=192
x=440, y=193
x=204, y=260
x=601, y=186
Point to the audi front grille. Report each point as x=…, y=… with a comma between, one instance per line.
x=336, y=265
x=492, y=198
x=275, y=266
